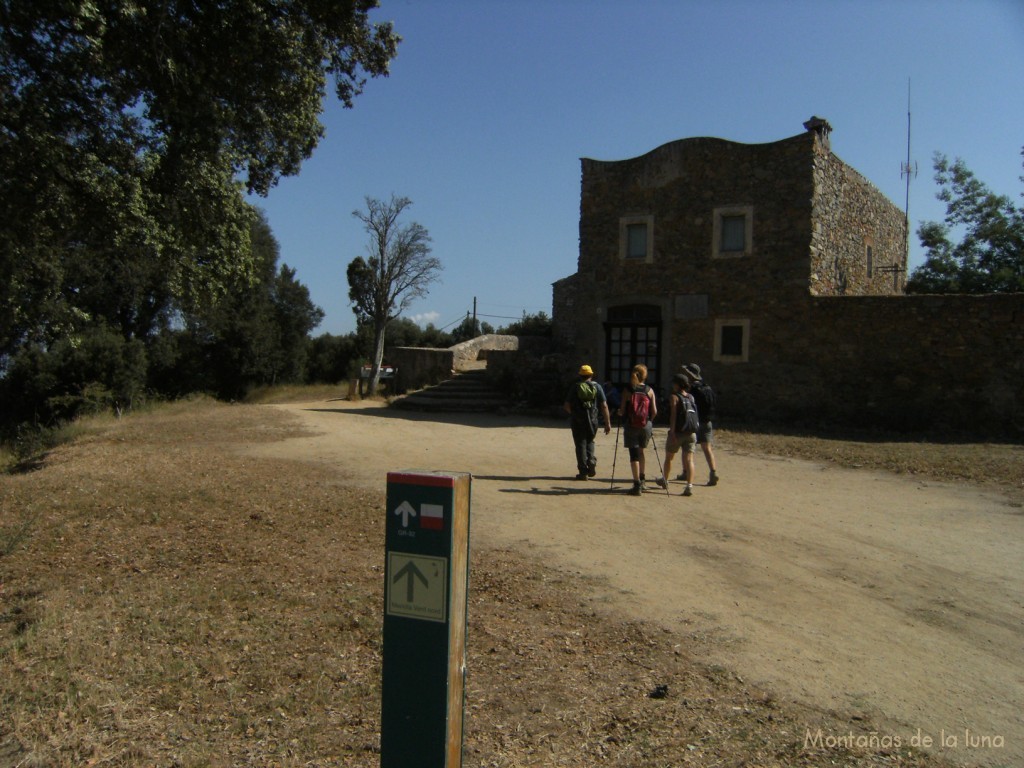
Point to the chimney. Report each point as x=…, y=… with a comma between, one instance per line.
x=821, y=127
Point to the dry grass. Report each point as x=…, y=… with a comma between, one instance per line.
x=997, y=465
x=164, y=602
x=298, y=393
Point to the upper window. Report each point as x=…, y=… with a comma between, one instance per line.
x=734, y=234
x=733, y=231
x=636, y=241
x=636, y=238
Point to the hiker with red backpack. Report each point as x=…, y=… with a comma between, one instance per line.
x=637, y=413
x=583, y=401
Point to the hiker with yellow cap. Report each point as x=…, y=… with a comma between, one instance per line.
x=583, y=401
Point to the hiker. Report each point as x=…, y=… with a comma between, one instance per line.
x=682, y=432
x=583, y=401
x=638, y=410
x=706, y=401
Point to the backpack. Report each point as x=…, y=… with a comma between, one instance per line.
x=639, y=408
x=586, y=392
x=706, y=400
x=687, y=421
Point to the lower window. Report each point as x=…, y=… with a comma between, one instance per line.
x=732, y=341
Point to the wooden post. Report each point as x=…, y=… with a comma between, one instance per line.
x=426, y=579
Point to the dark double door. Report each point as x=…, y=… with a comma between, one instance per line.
x=632, y=336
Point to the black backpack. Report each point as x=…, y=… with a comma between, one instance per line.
x=706, y=400
x=687, y=421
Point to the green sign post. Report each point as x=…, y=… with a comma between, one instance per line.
x=426, y=576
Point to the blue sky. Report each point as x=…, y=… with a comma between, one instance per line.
x=491, y=104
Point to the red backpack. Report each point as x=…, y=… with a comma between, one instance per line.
x=639, y=410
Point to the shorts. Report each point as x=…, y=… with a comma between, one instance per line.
x=677, y=440
x=637, y=437
x=704, y=433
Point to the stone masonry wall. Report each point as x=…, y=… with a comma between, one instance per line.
x=901, y=362
x=422, y=366
x=851, y=214
x=679, y=186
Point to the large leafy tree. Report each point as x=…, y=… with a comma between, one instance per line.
x=398, y=269
x=989, y=257
x=128, y=131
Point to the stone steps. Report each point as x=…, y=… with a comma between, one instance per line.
x=465, y=392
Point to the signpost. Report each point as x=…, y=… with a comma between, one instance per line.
x=426, y=575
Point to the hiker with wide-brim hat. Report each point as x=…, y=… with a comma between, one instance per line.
x=704, y=397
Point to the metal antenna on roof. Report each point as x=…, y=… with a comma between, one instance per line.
x=908, y=170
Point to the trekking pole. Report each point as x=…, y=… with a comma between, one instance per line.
x=661, y=467
x=615, y=454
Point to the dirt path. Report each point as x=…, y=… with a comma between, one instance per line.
x=858, y=592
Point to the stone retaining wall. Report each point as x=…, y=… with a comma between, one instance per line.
x=907, y=362
x=420, y=367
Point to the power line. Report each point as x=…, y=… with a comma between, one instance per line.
x=469, y=313
x=453, y=322
x=499, y=317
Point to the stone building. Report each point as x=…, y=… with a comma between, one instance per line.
x=780, y=270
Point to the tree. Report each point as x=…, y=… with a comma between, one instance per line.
x=990, y=256
x=127, y=134
x=397, y=270
x=96, y=370
x=330, y=358
x=530, y=325
x=470, y=328
x=403, y=332
x=256, y=335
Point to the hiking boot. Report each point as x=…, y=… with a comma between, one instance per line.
x=681, y=476
x=635, y=490
x=591, y=470
x=688, y=490
x=713, y=480
x=661, y=482
x=581, y=476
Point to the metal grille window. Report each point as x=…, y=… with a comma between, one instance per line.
x=732, y=231
x=636, y=238
x=734, y=234
x=633, y=335
x=636, y=241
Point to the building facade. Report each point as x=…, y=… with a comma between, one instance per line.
x=769, y=265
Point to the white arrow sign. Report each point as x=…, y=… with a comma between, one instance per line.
x=406, y=510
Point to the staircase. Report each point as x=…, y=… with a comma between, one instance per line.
x=467, y=391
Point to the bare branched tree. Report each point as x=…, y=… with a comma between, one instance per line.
x=397, y=269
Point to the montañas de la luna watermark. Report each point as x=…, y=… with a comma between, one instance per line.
x=961, y=739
